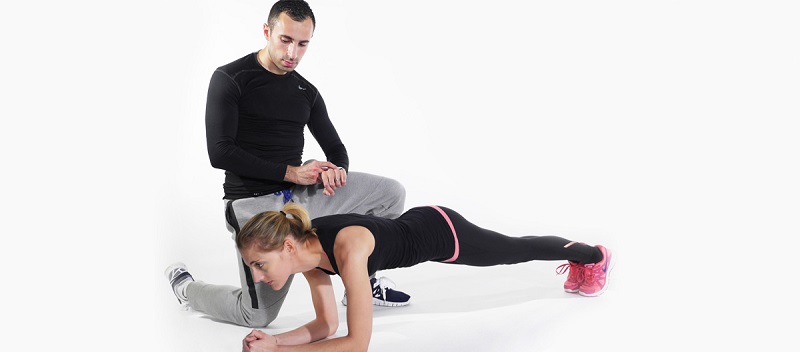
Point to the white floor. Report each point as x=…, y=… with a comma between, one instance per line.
x=509, y=308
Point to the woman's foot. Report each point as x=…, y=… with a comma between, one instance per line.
x=595, y=276
x=574, y=278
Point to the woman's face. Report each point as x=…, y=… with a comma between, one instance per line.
x=270, y=267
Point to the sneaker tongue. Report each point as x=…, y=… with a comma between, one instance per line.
x=386, y=283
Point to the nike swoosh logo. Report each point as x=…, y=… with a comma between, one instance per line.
x=301, y=88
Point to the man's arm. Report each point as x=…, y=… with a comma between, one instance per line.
x=222, y=123
x=321, y=127
x=324, y=132
x=317, y=172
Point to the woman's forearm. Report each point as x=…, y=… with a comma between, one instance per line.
x=339, y=344
x=313, y=331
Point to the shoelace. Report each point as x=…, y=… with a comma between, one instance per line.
x=385, y=284
x=561, y=269
x=574, y=275
x=588, y=273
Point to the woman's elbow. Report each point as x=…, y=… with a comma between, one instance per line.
x=333, y=326
x=359, y=343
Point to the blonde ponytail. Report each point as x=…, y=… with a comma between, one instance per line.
x=270, y=228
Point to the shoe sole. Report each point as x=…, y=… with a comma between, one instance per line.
x=380, y=303
x=612, y=262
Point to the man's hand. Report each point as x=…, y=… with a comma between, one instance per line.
x=333, y=178
x=316, y=172
x=258, y=341
x=307, y=174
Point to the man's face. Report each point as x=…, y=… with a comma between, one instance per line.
x=287, y=42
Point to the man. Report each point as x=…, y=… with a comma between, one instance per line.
x=256, y=112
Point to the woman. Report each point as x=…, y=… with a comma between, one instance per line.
x=277, y=244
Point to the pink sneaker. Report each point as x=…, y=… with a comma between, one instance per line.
x=574, y=278
x=595, y=276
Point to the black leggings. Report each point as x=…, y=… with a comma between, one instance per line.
x=480, y=247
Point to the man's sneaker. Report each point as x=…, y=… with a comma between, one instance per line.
x=595, y=276
x=179, y=278
x=384, y=294
x=574, y=278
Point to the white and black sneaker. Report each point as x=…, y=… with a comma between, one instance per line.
x=384, y=294
x=179, y=278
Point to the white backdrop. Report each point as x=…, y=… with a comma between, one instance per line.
x=666, y=131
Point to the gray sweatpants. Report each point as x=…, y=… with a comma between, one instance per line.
x=257, y=304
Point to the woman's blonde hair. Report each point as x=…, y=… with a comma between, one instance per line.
x=269, y=229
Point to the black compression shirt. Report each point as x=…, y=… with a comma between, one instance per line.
x=419, y=235
x=255, y=121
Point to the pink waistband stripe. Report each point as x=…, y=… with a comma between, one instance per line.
x=453, y=229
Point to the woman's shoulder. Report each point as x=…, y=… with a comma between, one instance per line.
x=354, y=242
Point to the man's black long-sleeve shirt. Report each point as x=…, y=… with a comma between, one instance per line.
x=255, y=121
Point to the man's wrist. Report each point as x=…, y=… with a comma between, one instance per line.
x=289, y=175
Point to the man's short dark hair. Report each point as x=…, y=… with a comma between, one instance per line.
x=297, y=10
